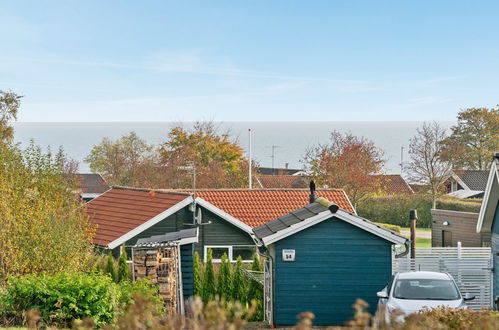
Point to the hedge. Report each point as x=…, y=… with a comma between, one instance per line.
x=64, y=298
x=395, y=209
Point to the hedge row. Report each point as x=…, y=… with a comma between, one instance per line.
x=395, y=209
x=64, y=298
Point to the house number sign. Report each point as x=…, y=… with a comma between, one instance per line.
x=288, y=255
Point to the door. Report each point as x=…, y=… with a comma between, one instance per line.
x=446, y=238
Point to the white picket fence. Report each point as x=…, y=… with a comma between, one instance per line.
x=471, y=268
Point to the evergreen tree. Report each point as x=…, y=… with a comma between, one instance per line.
x=255, y=291
x=198, y=276
x=238, y=291
x=225, y=279
x=209, y=286
x=110, y=269
x=123, y=272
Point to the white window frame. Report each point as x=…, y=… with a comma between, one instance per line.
x=206, y=247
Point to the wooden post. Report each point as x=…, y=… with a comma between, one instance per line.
x=413, y=215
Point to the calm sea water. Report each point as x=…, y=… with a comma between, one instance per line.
x=290, y=139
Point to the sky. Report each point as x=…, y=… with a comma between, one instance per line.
x=249, y=60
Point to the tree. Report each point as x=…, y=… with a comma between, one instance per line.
x=9, y=105
x=473, y=139
x=255, y=291
x=44, y=227
x=346, y=162
x=123, y=271
x=128, y=161
x=219, y=162
x=238, y=291
x=110, y=267
x=427, y=166
x=224, y=288
x=198, y=275
x=209, y=286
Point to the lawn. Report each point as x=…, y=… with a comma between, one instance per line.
x=423, y=236
x=423, y=242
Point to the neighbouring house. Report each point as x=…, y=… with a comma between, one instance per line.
x=279, y=171
x=450, y=227
x=321, y=259
x=225, y=217
x=467, y=183
x=282, y=181
x=488, y=219
x=90, y=185
x=393, y=184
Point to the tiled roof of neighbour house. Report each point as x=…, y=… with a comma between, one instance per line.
x=121, y=210
x=278, y=171
x=393, y=184
x=255, y=207
x=90, y=183
x=473, y=179
x=287, y=224
x=283, y=181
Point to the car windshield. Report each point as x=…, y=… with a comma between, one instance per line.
x=425, y=289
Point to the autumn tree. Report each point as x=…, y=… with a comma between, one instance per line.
x=473, y=139
x=346, y=162
x=9, y=106
x=128, y=161
x=219, y=161
x=44, y=227
x=427, y=165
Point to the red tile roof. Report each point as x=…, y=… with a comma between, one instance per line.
x=283, y=181
x=257, y=206
x=393, y=184
x=120, y=210
x=91, y=183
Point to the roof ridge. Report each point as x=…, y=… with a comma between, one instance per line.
x=162, y=191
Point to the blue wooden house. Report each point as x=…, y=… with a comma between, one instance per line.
x=488, y=220
x=320, y=259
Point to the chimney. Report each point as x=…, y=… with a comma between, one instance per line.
x=286, y=165
x=312, y=192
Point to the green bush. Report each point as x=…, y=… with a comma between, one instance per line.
x=255, y=291
x=61, y=298
x=224, y=280
x=209, y=285
x=198, y=275
x=123, y=272
x=68, y=297
x=395, y=209
x=111, y=267
x=239, y=282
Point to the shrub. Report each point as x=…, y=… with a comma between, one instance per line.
x=224, y=280
x=143, y=288
x=395, y=209
x=239, y=287
x=111, y=267
x=209, y=287
x=255, y=290
x=198, y=275
x=61, y=298
x=123, y=273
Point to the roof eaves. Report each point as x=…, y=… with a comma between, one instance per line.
x=484, y=224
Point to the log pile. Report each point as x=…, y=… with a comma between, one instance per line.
x=160, y=266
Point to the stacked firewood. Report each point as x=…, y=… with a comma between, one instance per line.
x=160, y=267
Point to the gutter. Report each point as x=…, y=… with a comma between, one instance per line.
x=407, y=245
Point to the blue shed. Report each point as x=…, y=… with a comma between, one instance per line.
x=320, y=259
x=488, y=221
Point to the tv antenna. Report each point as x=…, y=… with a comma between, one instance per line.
x=272, y=156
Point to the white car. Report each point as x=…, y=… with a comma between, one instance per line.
x=410, y=292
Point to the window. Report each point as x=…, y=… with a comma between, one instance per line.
x=245, y=251
x=218, y=252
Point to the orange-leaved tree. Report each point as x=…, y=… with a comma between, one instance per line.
x=348, y=162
